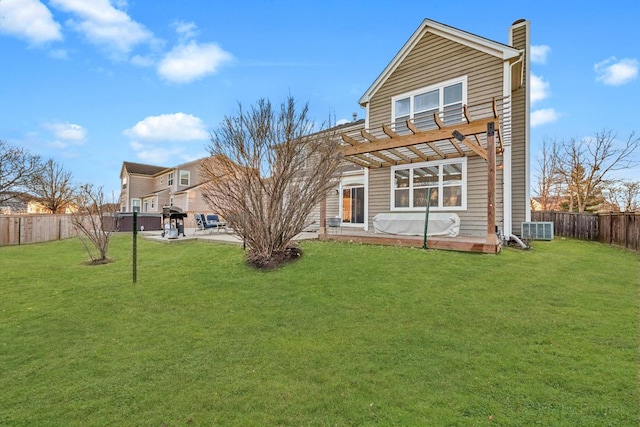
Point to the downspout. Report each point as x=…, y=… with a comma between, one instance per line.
x=518, y=241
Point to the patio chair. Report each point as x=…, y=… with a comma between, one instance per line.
x=202, y=224
x=213, y=221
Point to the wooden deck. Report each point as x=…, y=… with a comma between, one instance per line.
x=461, y=243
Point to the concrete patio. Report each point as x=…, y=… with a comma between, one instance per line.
x=212, y=236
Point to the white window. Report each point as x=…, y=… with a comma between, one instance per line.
x=153, y=203
x=170, y=179
x=124, y=182
x=135, y=205
x=446, y=98
x=184, y=177
x=445, y=179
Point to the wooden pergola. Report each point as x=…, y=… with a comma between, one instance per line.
x=444, y=141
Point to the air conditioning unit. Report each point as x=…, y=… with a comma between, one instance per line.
x=537, y=230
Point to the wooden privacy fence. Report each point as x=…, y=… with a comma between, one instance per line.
x=23, y=229
x=615, y=228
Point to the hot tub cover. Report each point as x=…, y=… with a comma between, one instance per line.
x=412, y=223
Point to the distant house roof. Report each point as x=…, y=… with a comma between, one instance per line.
x=142, y=169
x=155, y=193
x=340, y=127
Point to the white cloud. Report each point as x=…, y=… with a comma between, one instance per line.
x=169, y=127
x=104, y=24
x=68, y=132
x=616, y=73
x=28, y=19
x=143, y=61
x=539, y=89
x=155, y=155
x=59, y=54
x=186, y=30
x=188, y=62
x=539, y=53
x=543, y=116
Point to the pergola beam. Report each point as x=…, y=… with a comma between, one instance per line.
x=349, y=140
x=434, y=135
x=366, y=135
x=388, y=131
x=476, y=148
x=418, y=153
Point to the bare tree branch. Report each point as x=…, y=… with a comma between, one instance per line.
x=17, y=168
x=52, y=187
x=586, y=165
x=267, y=173
x=94, y=220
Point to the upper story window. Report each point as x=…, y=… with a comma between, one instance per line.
x=447, y=180
x=420, y=105
x=185, y=177
x=170, y=179
x=124, y=182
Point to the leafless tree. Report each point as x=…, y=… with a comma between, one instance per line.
x=52, y=187
x=266, y=174
x=549, y=184
x=587, y=164
x=625, y=194
x=94, y=221
x=17, y=168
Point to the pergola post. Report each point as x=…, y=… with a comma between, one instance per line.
x=491, y=184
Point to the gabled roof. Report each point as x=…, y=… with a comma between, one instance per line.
x=482, y=44
x=142, y=169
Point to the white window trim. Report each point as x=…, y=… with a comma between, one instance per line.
x=441, y=85
x=170, y=179
x=139, y=205
x=463, y=207
x=188, y=178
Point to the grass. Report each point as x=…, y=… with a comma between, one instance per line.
x=348, y=335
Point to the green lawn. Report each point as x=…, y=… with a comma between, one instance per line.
x=348, y=335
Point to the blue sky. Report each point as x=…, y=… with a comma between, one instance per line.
x=93, y=83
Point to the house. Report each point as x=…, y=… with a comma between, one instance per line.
x=14, y=202
x=448, y=117
x=147, y=188
x=446, y=124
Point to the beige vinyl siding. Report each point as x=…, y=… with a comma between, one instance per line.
x=139, y=186
x=379, y=192
x=472, y=221
x=197, y=203
x=519, y=142
x=433, y=60
x=333, y=204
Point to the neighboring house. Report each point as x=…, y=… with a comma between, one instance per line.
x=553, y=203
x=15, y=204
x=35, y=207
x=426, y=122
x=23, y=203
x=147, y=188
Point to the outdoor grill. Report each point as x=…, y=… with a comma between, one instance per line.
x=172, y=222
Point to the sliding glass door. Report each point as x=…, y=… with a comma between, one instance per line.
x=353, y=205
